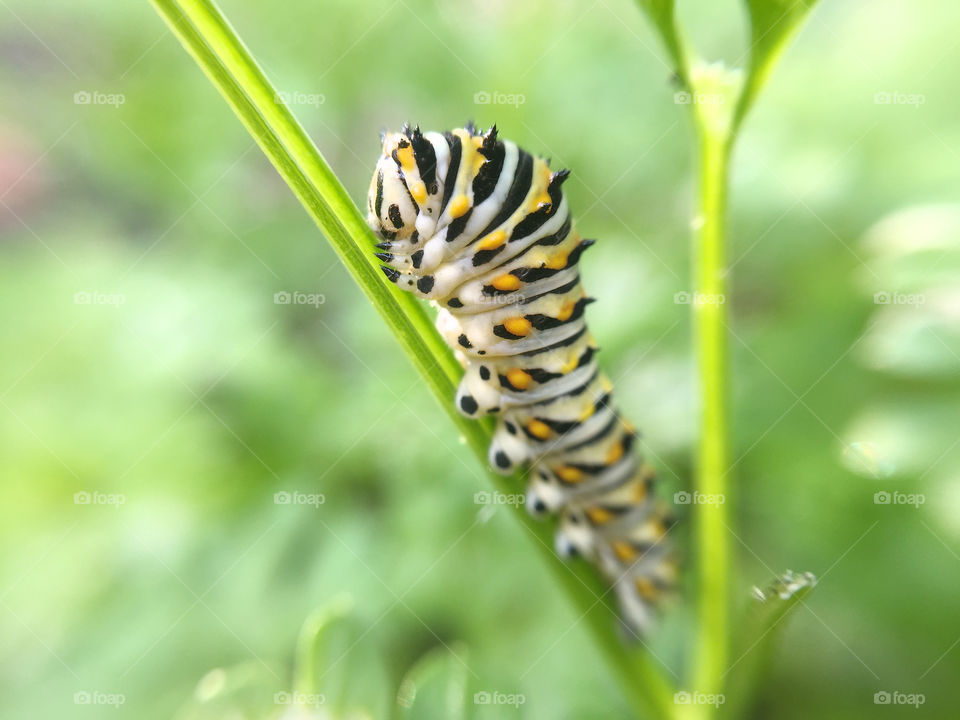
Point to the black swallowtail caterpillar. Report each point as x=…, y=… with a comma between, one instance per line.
x=482, y=229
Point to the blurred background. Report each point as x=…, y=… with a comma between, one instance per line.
x=192, y=467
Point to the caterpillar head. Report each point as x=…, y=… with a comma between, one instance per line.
x=391, y=209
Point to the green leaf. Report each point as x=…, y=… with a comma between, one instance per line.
x=662, y=15
x=311, y=643
x=436, y=685
x=339, y=666
x=765, y=620
x=772, y=24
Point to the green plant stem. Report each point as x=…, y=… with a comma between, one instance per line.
x=208, y=37
x=712, y=537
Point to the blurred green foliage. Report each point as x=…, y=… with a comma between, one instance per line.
x=148, y=365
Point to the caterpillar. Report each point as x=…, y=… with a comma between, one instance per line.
x=482, y=229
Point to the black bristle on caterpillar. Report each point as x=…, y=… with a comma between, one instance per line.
x=482, y=228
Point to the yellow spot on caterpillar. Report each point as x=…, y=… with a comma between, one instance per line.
x=542, y=200
x=588, y=411
x=625, y=551
x=629, y=426
x=419, y=192
x=599, y=515
x=557, y=261
x=519, y=326
x=539, y=429
x=407, y=160
x=492, y=241
x=639, y=492
x=458, y=206
x=566, y=311
x=506, y=282
x=571, y=364
x=478, y=161
x=647, y=590
x=615, y=453
x=569, y=474
x=605, y=384
x=471, y=160
x=518, y=378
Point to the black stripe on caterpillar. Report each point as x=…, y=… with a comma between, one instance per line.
x=482, y=228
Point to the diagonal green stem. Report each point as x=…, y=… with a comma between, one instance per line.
x=208, y=37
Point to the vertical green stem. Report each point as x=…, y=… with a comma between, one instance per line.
x=712, y=548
